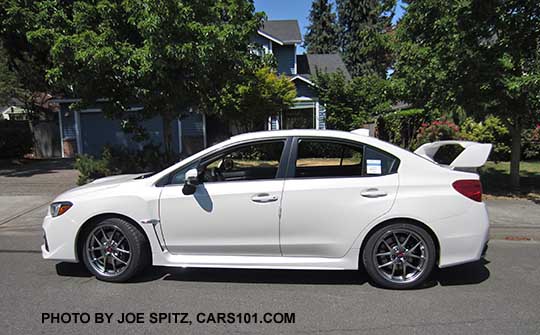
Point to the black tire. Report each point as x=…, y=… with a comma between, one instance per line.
x=390, y=271
x=134, y=246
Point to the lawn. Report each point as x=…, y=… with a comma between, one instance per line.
x=496, y=179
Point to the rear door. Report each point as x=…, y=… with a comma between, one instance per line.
x=334, y=189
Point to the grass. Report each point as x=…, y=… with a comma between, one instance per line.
x=496, y=179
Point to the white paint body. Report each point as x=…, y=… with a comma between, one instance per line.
x=314, y=224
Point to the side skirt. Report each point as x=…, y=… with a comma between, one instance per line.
x=349, y=262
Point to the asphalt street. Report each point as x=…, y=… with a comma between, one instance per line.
x=498, y=295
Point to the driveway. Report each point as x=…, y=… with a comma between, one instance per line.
x=26, y=190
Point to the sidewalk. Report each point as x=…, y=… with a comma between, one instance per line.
x=514, y=219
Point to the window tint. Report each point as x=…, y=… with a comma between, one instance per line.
x=318, y=158
x=250, y=162
x=379, y=163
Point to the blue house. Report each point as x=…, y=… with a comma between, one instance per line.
x=87, y=131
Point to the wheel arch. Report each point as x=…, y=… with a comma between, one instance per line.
x=100, y=217
x=400, y=220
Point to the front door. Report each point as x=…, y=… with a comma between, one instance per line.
x=235, y=208
x=337, y=189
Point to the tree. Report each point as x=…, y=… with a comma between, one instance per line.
x=479, y=56
x=322, y=34
x=25, y=59
x=168, y=56
x=9, y=84
x=351, y=104
x=364, y=26
x=262, y=94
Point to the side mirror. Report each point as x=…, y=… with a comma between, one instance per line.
x=191, y=180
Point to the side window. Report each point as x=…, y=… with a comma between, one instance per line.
x=378, y=162
x=250, y=162
x=319, y=158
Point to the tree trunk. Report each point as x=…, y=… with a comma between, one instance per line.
x=515, y=154
x=167, y=120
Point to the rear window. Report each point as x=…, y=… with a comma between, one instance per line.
x=378, y=162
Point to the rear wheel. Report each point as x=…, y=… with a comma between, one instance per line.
x=399, y=256
x=114, y=250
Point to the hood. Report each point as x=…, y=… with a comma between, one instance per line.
x=98, y=185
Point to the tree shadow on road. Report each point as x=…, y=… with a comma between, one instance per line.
x=30, y=167
x=467, y=274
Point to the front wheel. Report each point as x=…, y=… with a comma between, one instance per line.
x=399, y=256
x=114, y=250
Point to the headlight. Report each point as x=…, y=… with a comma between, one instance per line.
x=59, y=208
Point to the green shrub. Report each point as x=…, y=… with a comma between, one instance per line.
x=91, y=168
x=15, y=139
x=115, y=160
x=491, y=130
x=400, y=127
x=530, y=139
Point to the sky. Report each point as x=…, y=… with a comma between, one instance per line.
x=297, y=9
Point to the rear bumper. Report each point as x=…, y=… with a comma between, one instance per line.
x=484, y=251
x=463, y=238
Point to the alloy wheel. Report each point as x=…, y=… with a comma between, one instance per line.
x=108, y=250
x=400, y=255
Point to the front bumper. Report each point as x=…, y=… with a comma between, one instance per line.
x=59, y=239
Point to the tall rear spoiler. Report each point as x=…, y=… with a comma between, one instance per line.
x=474, y=154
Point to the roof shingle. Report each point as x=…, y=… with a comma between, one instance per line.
x=286, y=31
x=307, y=65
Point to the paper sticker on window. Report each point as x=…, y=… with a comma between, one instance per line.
x=373, y=166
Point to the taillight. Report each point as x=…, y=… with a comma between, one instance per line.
x=470, y=188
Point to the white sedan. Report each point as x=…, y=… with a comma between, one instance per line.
x=292, y=199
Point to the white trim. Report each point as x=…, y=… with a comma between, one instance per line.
x=295, y=71
x=303, y=79
x=317, y=115
x=98, y=110
x=204, y=130
x=61, y=133
x=179, y=136
x=304, y=99
x=78, y=132
x=271, y=38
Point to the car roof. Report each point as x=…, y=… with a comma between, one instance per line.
x=338, y=134
x=293, y=132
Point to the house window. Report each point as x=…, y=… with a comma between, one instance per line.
x=298, y=118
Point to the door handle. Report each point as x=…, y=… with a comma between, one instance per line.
x=373, y=193
x=263, y=197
